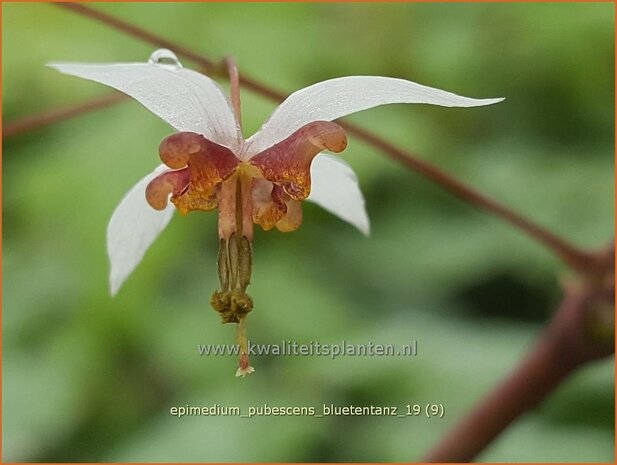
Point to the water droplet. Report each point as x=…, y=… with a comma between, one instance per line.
x=164, y=56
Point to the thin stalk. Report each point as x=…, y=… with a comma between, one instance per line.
x=38, y=120
x=570, y=340
x=234, y=81
x=537, y=376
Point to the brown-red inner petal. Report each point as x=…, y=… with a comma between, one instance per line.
x=170, y=182
x=268, y=203
x=292, y=218
x=208, y=165
x=288, y=163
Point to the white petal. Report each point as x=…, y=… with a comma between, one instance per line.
x=334, y=187
x=187, y=100
x=335, y=98
x=132, y=229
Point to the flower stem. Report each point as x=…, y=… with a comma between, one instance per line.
x=234, y=81
x=570, y=340
x=536, y=377
x=29, y=123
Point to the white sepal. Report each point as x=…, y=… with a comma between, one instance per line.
x=335, y=98
x=133, y=227
x=186, y=99
x=334, y=187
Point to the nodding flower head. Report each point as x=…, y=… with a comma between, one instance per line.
x=208, y=165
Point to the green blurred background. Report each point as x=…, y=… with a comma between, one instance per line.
x=88, y=378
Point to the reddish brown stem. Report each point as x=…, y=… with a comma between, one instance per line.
x=234, y=81
x=569, y=341
x=570, y=254
x=49, y=117
x=537, y=376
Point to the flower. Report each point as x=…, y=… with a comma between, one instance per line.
x=262, y=180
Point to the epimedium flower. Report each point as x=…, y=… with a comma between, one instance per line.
x=208, y=165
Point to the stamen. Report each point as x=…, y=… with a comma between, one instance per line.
x=246, y=200
x=223, y=264
x=232, y=248
x=245, y=263
x=235, y=259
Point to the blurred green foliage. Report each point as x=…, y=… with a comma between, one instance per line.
x=89, y=378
